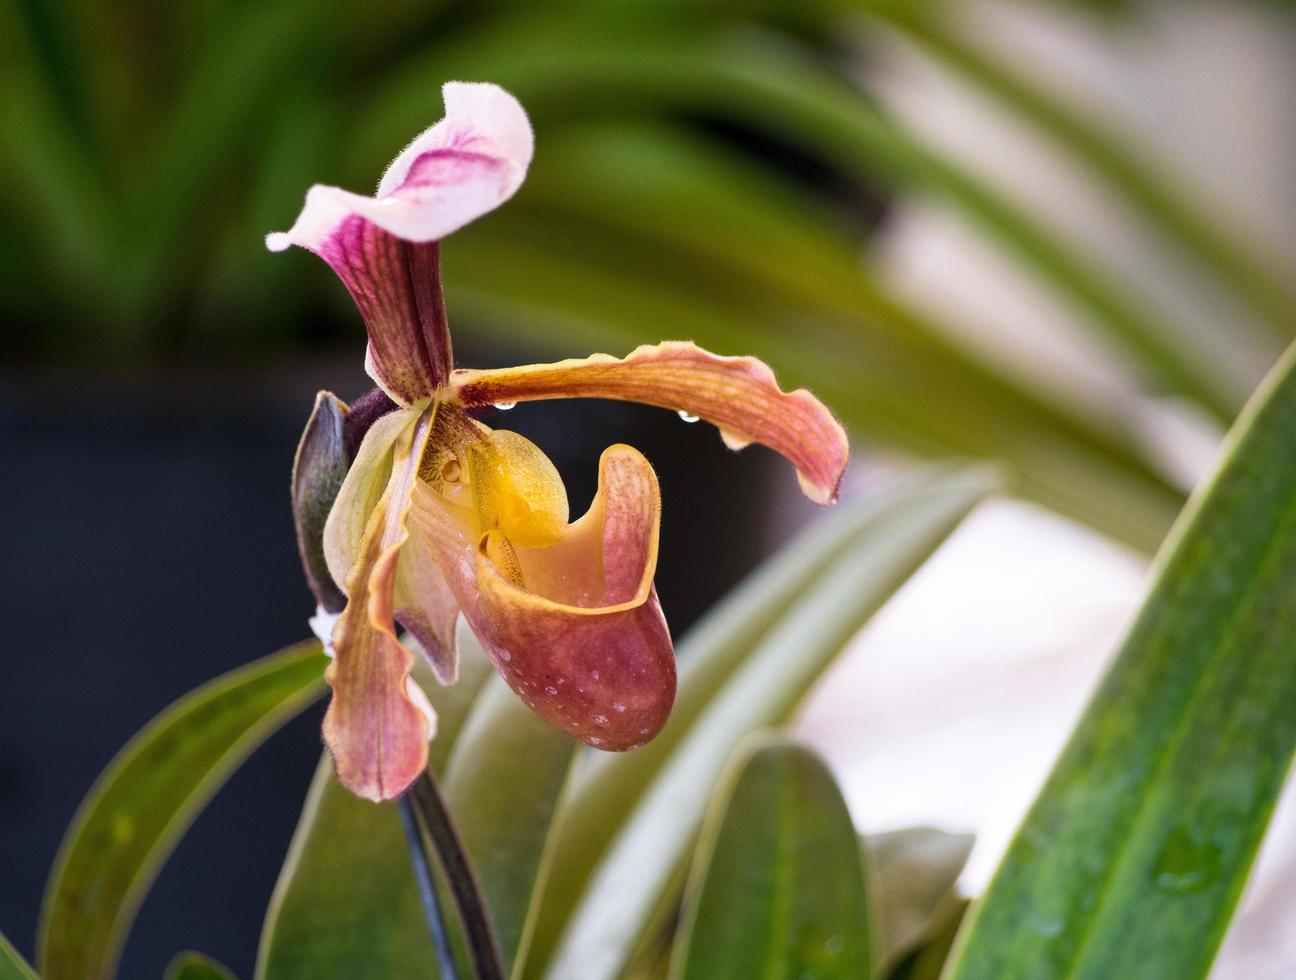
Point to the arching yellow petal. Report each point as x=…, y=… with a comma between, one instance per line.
x=739, y=395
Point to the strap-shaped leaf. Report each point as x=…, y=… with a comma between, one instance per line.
x=1158, y=197
x=778, y=887
x=346, y=903
x=1132, y=859
x=636, y=876
x=148, y=796
x=12, y=965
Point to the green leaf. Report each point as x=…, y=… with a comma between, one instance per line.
x=778, y=887
x=906, y=520
x=12, y=965
x=1132, y=859
x=913, y=875
x=148, y=796
x=503, y=785
x=633, y=880
x=196, y=966
x=346, y=903
x=1151, y=194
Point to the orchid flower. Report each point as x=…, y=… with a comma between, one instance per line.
x=433, y=514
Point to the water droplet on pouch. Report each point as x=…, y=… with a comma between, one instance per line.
x=618, y=707
x=505, y=406
x=551, y=689
x=600, y=720
x=595, y=740
x=686, y=416
x=594, y=674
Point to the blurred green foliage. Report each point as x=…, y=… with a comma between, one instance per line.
x=709, y=170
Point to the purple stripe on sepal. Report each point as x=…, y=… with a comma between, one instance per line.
x=396, y=285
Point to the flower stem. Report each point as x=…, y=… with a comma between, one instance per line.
x=422, y=862
x=433, y=819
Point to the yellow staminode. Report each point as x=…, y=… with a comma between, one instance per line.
x=517, y=490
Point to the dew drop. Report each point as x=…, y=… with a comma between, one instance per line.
x=551, y=690
x=601, y=721
x=505, y=406
x=594, y=674
x=595, y=740
x=644, y=731
x=686, y=416
x=618, y=707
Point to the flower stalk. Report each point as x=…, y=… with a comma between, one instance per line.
x=434, y=827
x=422, y=861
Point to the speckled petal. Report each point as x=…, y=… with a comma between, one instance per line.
x=739, y=395
x=575, y=628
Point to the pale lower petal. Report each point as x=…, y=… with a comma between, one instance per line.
x=739, y=395
x=375, y=728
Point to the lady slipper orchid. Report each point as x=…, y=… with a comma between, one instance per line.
x=434, y=514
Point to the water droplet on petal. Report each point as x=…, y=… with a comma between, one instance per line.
x=686, y=416
x=505, y=406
